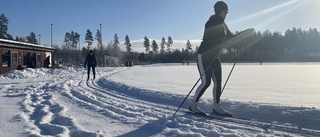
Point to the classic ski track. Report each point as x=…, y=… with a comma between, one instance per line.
x=42, y=112
x=127, y=99
x=123, y=108
x=109, y=103
x=116, y=99
x=123, y=116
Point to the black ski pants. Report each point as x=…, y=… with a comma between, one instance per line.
x=214, y=72
x=93, y=71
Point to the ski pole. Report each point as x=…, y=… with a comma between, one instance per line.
x=99, y=73
x=197, y=82
x=234, y=64
x=83, y=73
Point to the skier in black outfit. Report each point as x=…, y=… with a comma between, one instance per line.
x=90, y=62
x=215, y=33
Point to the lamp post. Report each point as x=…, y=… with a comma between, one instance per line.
x=39, y=39
x=51, y=35
x=101, y=43
x=100, y=35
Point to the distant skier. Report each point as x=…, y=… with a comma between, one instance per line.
x=90, y=62
x=215, y=33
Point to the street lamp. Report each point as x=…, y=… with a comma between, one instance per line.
x=101, y=42
x=100, y=35
x=39, y=39
x=51, y=35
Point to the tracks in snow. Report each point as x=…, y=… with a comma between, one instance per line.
x=142, y=108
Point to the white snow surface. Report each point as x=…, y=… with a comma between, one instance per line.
x=267, y=100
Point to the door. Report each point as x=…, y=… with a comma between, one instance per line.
x=38, y=60
x=14, y=60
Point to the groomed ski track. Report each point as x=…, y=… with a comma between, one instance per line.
x=49, y=106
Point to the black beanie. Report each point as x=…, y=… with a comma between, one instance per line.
x=90, y=51
x=220, y=6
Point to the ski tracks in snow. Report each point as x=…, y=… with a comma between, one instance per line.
x=67, y=105
x=152, y=110
x=40, y=110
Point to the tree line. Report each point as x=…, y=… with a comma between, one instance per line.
x=295, y=45
x=4, y=32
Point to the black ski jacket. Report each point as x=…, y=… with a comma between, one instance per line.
x=90, y=61
x=216, y=31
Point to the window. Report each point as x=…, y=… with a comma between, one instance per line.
x=38, y=58
x=5, y=58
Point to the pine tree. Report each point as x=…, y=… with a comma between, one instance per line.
x=99, y=39
x=188, y=46
x=115, y=44
x=32, y=38
x=163, y=42
x=115, y=38
x=72, y=39
x=128, y=44
x=3, y=26
x=154, y=47
x=67, y=38
x=146, y=44
x=88, y=38
x=75, y=39
x=169, y=42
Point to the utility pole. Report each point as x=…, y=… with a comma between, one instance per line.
x=51, y=35
x=39, y=39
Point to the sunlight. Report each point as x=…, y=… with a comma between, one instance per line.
x=271, y=23
x=310, y=16
x=263, y=12
x=264, y=18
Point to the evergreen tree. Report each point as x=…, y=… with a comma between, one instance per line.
x=169, y=42
x=188, y=46
x=75, y=40
x=21, y=39
x=32, y=38
x=154, y=47
x=99, y=39
x=67, y=38
x=89, y=38
x=128, y=44
x=163, y=42
x=146, y=44
x=72, y=39
x=3, y=26
x=115, y=44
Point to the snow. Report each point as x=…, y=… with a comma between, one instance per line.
x=269, y=100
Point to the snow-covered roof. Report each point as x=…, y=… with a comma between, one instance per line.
x=17, y=44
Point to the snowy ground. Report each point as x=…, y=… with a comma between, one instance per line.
x=271, y=100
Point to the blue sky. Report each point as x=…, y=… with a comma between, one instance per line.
x=181, y=19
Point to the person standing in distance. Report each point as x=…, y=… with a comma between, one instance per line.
x=47, y=62
x=215, y=33
x=90, y=62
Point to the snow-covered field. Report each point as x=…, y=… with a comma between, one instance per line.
x=269, y=100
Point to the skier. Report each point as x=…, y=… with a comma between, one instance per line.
x=90, y=62
x=215, y=33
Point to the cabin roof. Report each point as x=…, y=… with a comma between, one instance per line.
x=23, y=45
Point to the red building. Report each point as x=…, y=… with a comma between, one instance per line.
x=19, y=55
